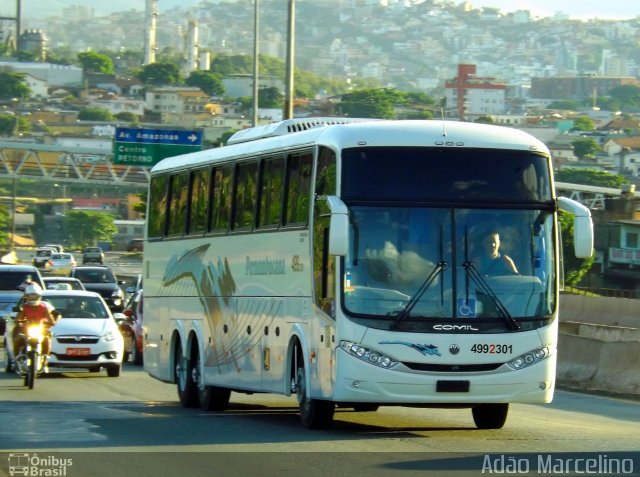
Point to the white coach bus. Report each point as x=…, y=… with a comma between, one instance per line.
x=342, y=260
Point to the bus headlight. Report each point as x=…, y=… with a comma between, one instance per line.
x=527, y=359
x=368, y=355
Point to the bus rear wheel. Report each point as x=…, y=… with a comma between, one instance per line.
x=214, y=398
x=187, y=387
x=314, y=413
x=490, y=416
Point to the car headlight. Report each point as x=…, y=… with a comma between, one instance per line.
x=368, y=355
x=108, y=336
x=527, y=359
x=117, y=293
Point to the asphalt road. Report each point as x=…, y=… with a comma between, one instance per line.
x=109, y=426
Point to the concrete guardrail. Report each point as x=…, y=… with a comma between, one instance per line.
x=599, y=344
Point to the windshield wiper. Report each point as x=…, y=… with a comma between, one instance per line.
x=406, y=311
x=484, y=287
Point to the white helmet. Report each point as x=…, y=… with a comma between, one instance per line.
x=33, y=289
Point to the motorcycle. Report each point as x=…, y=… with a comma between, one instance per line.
x=31, y=361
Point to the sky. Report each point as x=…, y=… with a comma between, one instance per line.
x=578, y=9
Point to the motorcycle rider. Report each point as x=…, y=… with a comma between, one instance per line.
x=33, y=310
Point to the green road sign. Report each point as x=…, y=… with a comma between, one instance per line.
x=146, y=147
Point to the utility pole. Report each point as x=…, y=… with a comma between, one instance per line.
x=256, y=29
x=288, y=94
x=12, y=244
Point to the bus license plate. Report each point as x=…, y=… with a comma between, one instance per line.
x=78, y=351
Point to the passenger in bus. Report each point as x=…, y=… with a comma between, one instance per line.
x=492, y=261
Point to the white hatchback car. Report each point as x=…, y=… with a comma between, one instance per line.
x=87, y=335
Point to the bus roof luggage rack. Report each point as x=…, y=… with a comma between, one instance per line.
x=289, y=126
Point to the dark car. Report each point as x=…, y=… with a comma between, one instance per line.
x=93, y=255
x=131, y=328
x=13, y=279
x=101, y=279
x=135, y=245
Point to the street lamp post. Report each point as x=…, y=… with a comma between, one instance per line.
x=288, y=99
x=256, y=63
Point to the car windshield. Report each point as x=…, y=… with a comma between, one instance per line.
x=95, y=276
x=13, y=280
x=43, y=253
x=78, y=306
x=53, y=284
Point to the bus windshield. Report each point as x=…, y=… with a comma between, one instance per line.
x=415, y=264
x=438, y=236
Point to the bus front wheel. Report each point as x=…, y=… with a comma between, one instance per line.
x=490, y=416
x=314, y=413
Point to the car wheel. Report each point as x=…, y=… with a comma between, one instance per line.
x=136, y=356
x=113, y=371
x=8, y=362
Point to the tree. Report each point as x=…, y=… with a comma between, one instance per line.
x=270, y=98
x=93, y=62
x=574, y=268
x=210, y=83
x=586, y=147
x=128, y=117
x=141, y=207
x=159, y=74
x=95, y=114
x=591, y=177
x=11, y=124
x=565, y=104
x=371, y=103
x=628, y=95
x=485, y=120
x=583, y=123
x=609, y=104
x=13, y=85
x=85, y=228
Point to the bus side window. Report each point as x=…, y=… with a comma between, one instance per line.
x=221, y=199
x=156, y=222
x=270, y=206
x=178, y=204
x=198, y=200
x=244, y=200
x=298, y=187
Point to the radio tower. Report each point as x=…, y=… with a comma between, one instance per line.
x=151, y=15
x=15, y=19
